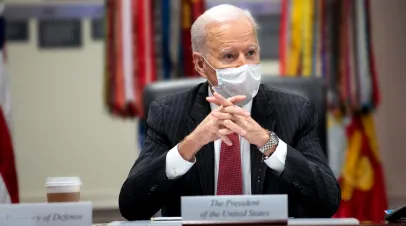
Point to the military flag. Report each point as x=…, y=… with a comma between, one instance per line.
x=342, y=53
x=190, y=10
x=130, y=55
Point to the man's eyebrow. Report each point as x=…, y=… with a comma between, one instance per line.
x=226, y=50
x=253, y=46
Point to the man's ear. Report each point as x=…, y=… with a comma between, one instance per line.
x=199, y=62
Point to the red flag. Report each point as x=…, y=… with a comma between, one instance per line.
x=191, y=10
x=344, y=41
x=130, y=55
x=186, y=20
x=375, y=88
x=110, y=53
x=362, y=180
x=8, y=174
x=145, y=49
x=119, y=106
x=198, y=7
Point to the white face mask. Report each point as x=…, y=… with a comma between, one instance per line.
x=244, y=80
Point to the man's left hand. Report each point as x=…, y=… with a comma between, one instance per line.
x=255, y=134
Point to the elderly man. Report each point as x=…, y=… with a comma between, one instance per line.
x=230, y=135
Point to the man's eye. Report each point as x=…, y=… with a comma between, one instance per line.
x=251, y=53
x=229, y=56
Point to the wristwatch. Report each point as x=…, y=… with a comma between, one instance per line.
x=272, y=142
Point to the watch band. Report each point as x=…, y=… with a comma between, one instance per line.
x=272, y=142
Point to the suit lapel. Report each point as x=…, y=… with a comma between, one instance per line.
x=262, y=113
x=205, y=157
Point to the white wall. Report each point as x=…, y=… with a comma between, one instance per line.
x=61, y=126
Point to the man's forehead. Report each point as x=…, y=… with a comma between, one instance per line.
x=234, y=31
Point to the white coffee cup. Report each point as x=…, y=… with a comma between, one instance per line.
x=63, y=189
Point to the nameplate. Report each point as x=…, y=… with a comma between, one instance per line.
x=235, y=209
x=49, y=214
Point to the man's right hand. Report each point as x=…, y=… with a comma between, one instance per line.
x=207, y=131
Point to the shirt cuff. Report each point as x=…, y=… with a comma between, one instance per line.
x=176, y=166
x=277, y=160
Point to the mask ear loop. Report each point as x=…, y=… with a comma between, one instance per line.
x=222, y=86
x=208, y=62
x=212, y=68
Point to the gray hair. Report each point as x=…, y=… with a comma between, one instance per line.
x=218, y=13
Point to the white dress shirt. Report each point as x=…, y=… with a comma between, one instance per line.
x=176, y=166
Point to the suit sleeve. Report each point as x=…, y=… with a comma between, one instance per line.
x=147, y=187
x=307, y=173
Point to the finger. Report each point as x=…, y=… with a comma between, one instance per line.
x=235, y=110
x=225, y=132
x=232, y=115
x=221, y=115
x=234, y=127
x=225, y=139
x=213, y=100
x=236, y=99
x=222, y=101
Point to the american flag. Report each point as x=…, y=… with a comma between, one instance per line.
x=8, y=175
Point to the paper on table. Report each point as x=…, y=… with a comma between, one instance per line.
x=145, y=223
x=323, y=221
x=166, y=219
